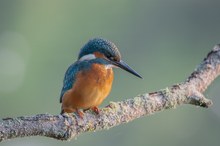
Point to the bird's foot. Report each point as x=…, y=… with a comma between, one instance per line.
x=95, y=109
x=80, y=113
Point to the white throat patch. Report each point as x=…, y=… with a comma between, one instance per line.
x=109, y=66
x=87, y=57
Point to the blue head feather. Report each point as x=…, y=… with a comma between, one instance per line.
x=101, y=45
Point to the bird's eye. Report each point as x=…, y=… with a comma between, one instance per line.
x=112, y=58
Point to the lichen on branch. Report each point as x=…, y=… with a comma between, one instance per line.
x=67, y=126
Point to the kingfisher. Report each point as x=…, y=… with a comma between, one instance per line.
x=88, y=81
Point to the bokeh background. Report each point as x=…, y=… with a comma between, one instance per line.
x=163, y=40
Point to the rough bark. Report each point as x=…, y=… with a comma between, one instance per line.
x=67, y=126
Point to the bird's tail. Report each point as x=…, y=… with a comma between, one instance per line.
x=62, y=111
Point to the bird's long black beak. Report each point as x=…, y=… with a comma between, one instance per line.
x=126, y=67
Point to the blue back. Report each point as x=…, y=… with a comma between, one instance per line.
x=69, y=78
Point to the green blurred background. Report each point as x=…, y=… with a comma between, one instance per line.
x=163, y=40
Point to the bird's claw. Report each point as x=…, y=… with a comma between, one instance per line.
x=96, y=110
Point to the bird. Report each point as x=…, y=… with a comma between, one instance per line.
x=88, y=81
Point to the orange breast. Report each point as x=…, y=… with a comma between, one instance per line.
x=90, y=88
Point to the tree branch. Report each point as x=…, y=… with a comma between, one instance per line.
x=67, y=126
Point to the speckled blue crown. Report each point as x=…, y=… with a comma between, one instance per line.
x=99, y=45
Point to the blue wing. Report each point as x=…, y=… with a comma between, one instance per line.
x=69, y=79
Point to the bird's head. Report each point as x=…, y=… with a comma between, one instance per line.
x=102, y=48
